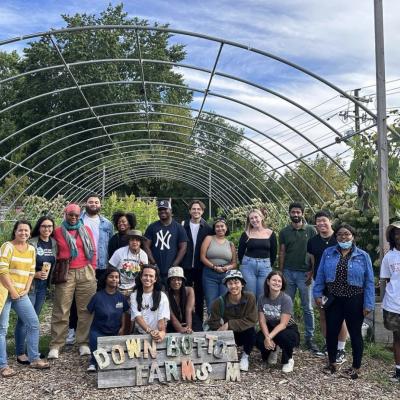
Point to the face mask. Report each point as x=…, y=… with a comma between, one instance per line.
x=345, y=245
x=295, y=218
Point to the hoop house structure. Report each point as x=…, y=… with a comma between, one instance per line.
x=81, y=124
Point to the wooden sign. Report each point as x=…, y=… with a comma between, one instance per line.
x=136, y=360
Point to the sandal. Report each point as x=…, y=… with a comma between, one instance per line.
x=7, y=372
x=39, y=364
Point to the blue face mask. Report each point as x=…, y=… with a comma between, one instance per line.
x=345, y=245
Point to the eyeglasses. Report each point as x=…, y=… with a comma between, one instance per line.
x=73, y=215
x=47, y=226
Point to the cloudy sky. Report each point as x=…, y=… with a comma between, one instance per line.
x=332, y=38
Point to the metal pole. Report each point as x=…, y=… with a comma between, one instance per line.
x=357, y=110
x=382, y=145
x=209, y=193
x=103, y=188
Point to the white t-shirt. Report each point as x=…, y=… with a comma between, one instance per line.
x=390, y=269
x=151, y=317
x=194, y=228
x=94, y=224
x=128, y=265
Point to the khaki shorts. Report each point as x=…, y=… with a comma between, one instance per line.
x=391, y=321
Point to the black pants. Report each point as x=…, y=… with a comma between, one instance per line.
x=197, y=325
x=287, y=340
x=246, y=338
x=349, y=309
x=194, y=277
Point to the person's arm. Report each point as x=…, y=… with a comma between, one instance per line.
x=281, y=326
x=31, y=272
x=369, y=286
x=319, y=284
x=111, y=246
x=242, y=246
x=282, y=252
x=248, y=319
x=93, y=261
x=176, y=324
x=147, y=249
x=5, y=259
x=190, y=299
x=203, y=253
x=214, y=322
x=268, y=342
x=123, y=325
x=182, y=246
x=273, y=249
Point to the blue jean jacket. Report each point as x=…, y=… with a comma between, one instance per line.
x=359, y=273
x=106, y=231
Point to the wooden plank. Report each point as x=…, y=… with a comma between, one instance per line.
x=230, y=355
x=122, y=378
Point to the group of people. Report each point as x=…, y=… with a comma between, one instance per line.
x=158, y=282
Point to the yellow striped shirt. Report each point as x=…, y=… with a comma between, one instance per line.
x=18, y=265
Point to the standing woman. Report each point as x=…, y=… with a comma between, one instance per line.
x=218, y=256
x=17, y=268
x=123, y=222
x=75, y=243
x=181, y=302
x=257, y=252
x=277, y=326
x=346, y=277
x=46, y=252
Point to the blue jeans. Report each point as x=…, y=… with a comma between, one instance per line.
x=254, y=271
x=24, y=309
x=37, y=296
x=212, y=286
x=297, y=280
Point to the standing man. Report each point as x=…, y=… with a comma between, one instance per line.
x=102, y=230
x=390, y=271
x=166, y=241
x=196, y=229
x=293, y=262
x=315, y=248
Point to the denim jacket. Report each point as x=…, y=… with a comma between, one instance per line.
x=105, y=233
x=359, y=273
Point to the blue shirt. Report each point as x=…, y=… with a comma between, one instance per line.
x=108, y=310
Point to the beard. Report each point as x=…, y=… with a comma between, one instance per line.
x=93, y=210
x=296, y=219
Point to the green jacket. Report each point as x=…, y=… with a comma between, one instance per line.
x=239, y=316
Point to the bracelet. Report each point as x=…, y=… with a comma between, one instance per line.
x=148, y=330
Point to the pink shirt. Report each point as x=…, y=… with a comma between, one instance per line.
x=63, y=250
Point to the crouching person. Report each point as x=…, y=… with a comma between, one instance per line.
x=277, y=327
x=236, y=311
x=149, y=305
x=108, y=307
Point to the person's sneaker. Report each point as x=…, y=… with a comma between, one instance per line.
x=70, y=340
x=396, y=376
x=273, y=356
x=244, y=362
x=340, y=357
x=324, y=350
x=91, y=368
x=53, y=354
x=84, y=350
x=288, y=367
x=311, y=346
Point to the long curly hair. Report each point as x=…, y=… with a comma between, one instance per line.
x=178, y=309
x=156, y=296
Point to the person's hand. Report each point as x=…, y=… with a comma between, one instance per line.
x=366, y=312
x=157, y=335
x=42, y=275
x=309, y=276
x=223, y=327
x=15, y=295
x=23, y=293
x=189, y=330
x=121, y=332
x=318, y=301
x=269, y=344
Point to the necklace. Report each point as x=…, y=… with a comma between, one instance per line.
x=326, y=239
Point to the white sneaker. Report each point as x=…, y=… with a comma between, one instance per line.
x=70, y=340
x=244, y=362
x=53, y=354
x=273, y=356
x=91, y=368
x=289, y=366
x=84, y=350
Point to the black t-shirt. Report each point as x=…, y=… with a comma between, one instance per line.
x=317, y=245
x=108, y=310
x=257, y=248
x=165, y=241
x=44, y=253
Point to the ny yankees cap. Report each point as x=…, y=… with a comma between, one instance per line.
x=164, y=204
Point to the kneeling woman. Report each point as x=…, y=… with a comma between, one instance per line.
x=236, y=311
x=181, y=302
x=277, y=327
x=108, y=306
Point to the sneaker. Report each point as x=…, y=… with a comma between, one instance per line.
x=324, y=350
x=84, y=350
x=273, y=356
x=396, y=376
x=53, y=354
x=340, y=357
x=286, y=368
x=311, y=346
x=70, y=340
x=351, y=373
x=244, y=362
x=91, y=368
